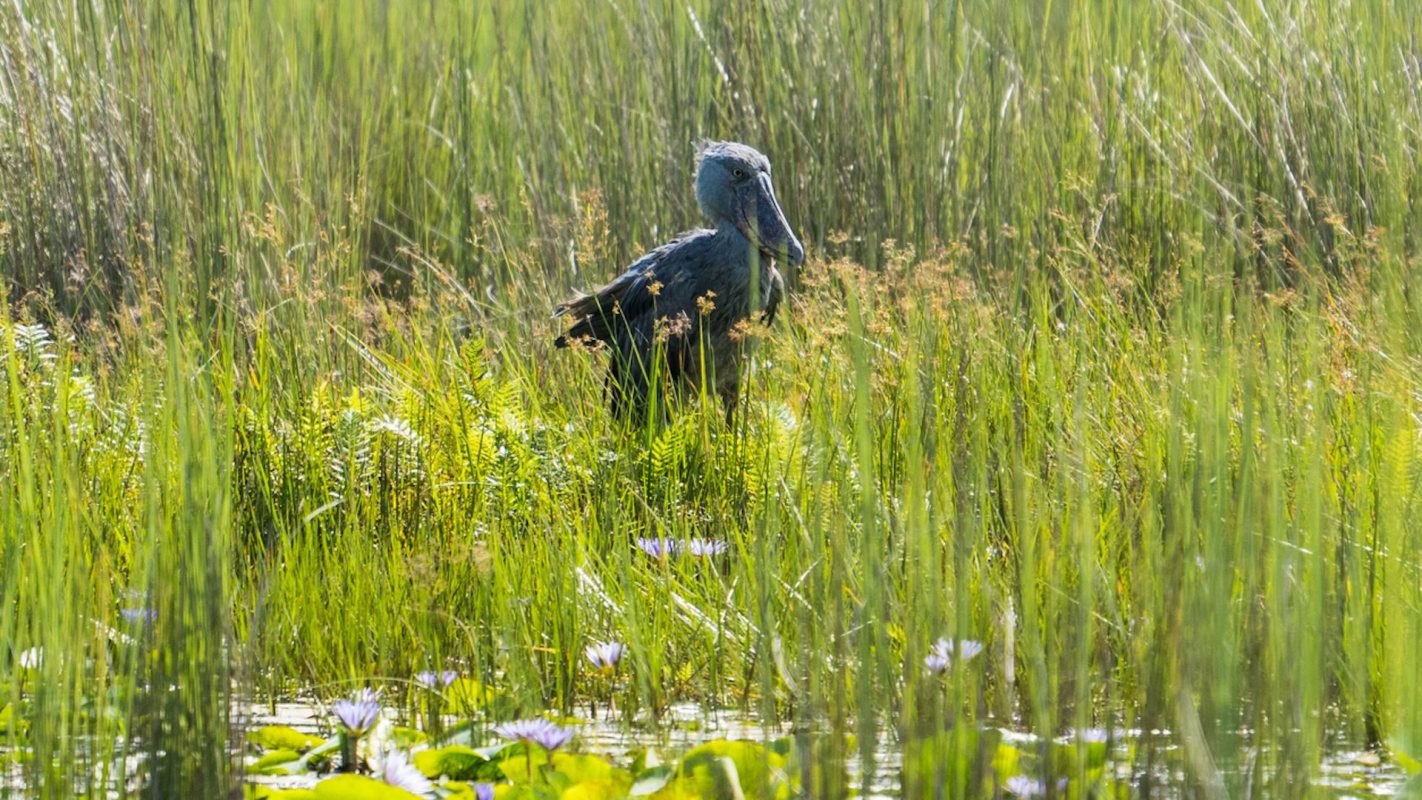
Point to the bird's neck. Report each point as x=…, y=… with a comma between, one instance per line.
x=731, y=236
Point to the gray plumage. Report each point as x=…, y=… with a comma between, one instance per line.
x=685, y=299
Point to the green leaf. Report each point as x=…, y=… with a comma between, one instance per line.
x=268, y=793
x=471, y=735
x=564, y=770
x=651, y=781
x=282, y=737
x=457, y=762
x=278, y=762
x=1064, y=756
x=466, y=696
x=1005, y=760
x=1406, y=755
x=320, y=755
x=724, y=769
x=828, y=752
x=964, y=756
x=359, y=787
x=580, y=768
x=9, y=723
x=678, y=789
x=601, y=789
x=1409, y=764
x=406, y=738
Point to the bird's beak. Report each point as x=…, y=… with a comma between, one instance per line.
x=766, y=225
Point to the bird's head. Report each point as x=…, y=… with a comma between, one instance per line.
x=733, y=187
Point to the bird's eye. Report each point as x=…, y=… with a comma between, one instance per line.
x=738, y=172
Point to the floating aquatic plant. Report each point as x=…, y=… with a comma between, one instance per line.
x=672, y=548
x=396, y=770
x=657, y=547
x=359, y=712
x=1023, y=787
x=606, y=655
x=705, y=548
x=968, y=649
x=937, y=663
x=138, y=616
x=356, y=714
x=940, y=657
x=31, y=658
x=435, y=681
x=537, y=731
x=1089, y=735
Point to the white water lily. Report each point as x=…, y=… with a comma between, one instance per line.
x=31, y=658
x=943, y=651
x=396, y=770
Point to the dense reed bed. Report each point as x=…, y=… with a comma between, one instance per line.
x=1105, y=357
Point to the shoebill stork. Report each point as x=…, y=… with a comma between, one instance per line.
x=678, y=311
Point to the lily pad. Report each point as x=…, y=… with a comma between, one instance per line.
x=9, y=723
x=679, y=789
x=652, y=781
x=406, y=738
x=282, y=737
x=467, y=695
x=472, y=736
x=570, y=768
x=1406, y=754
x=278, y=762
x=284, y=794
x=758, y=772
x=601, y=789
x=456, y=762
x=359, y=787
x=258, y=792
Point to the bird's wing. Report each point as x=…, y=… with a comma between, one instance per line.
x=611, y=310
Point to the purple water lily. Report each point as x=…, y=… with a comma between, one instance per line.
x=658, y=548
x=484, y=791
x=359, y=712
x=606, y=655
x=969, y=649
x=937, y=663
x=138, y=616
x=940, y=657
x=434, y=681
x=1023, y=787
x=537, y=731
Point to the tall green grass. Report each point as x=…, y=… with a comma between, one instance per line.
x=1105, y=356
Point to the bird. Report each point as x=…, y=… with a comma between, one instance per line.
x=676, y=313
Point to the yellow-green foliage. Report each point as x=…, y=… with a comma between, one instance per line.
x=1106, y=355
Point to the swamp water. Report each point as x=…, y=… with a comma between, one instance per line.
x=1345, y=773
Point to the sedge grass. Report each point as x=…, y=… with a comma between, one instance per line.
x=1105, y=357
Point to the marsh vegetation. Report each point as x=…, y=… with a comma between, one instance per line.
x=1084, y=458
